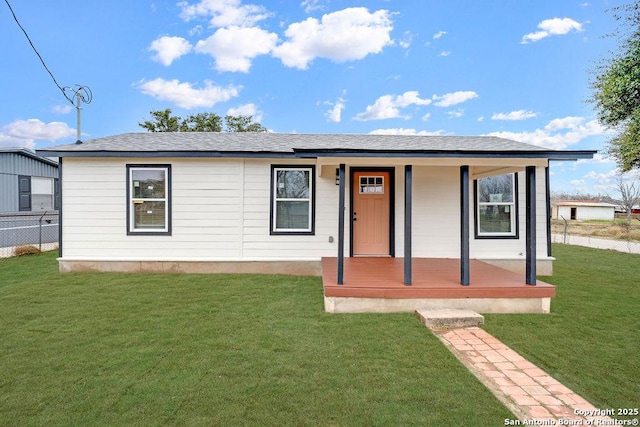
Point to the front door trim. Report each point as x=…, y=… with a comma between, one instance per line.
x=392, y=196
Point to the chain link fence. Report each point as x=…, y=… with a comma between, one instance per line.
x=38, y=230
x=618, y=236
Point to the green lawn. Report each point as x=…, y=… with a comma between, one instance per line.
x=591, y=340
x=125, y=349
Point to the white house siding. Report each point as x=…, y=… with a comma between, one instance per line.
x=257, y=241
x=563, y=212
x=436, y=217
x=585, y=212
x=595, y=213
x=221, y=209
x=515, y=248
x=436, y=212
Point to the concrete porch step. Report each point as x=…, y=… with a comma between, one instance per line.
x=449, y=318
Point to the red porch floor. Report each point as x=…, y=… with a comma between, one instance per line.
x=432, y=278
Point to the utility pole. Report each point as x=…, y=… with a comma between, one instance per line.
x=81, y=94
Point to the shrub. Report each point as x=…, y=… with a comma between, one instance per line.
x=25, y=250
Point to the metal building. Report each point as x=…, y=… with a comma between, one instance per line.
x=28, y=182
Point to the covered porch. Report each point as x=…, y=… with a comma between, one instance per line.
x=376, y=284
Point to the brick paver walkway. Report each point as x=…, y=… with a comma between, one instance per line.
x=528, y=391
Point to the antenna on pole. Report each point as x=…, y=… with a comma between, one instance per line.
x=81, y=94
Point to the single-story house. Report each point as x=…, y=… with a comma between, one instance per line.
x=583, y=210
x=354, y=208
x=28, y=182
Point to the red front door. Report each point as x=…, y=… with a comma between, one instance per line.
x=371, y=213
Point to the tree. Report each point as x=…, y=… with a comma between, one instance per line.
x=242, y=124
x=629, y=194
x=202, y=122
x=163, y=121
x=616, y=91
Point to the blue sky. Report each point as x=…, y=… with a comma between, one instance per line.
x=515, y=69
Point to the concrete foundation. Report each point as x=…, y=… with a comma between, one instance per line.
x=403, y=305
x=544, y=267
x=297, y=268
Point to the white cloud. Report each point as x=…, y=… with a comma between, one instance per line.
x=439, y=34
x=388, y=106
x=406, y=40
x=598, y=158
x=62, y=109
x=335, y=113
x=454, y=114
x=168, y=49
x=607, y=181
x=311, y=5
x=24, y=133
x=569, y=122
x=445, y=53
x=383, y=108
x=403, y=131
x=554, y=137
x=184, y=95
x=426, y=117
x=196, y=31
x=223, y=13
x=346, y=35
x=552, y=27
x=246, y=110
x=514, y=115
x=234, y=47
x=449, y=99
x=578, y=182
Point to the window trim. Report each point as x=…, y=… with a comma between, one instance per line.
x=312, y=201
x=515, y=234
x=131, y=230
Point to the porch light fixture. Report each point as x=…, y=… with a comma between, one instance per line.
x=337, y=176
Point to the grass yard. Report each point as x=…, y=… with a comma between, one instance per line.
x=125, y=349
x=591, y=340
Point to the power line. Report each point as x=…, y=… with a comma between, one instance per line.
x=15, y=18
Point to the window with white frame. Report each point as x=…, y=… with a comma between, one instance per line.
x=148, y=194
x=292, y=210
x=496, y=207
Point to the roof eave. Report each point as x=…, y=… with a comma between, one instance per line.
x=537, y=154
x=28, y=153
x=314, y=153
x=165, y=154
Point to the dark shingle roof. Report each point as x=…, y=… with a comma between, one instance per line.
x=247, y=144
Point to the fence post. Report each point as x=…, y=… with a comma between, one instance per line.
x=40, y=231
